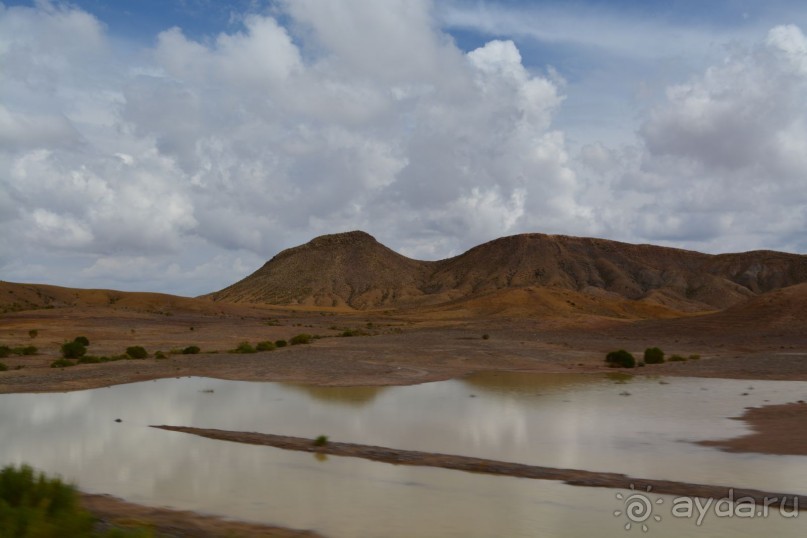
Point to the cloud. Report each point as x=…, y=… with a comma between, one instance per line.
x=718, y=162
x=318, y=117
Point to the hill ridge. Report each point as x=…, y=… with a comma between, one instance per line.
x=353, y=269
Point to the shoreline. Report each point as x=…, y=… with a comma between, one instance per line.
x=775, y=429
x=115, y=512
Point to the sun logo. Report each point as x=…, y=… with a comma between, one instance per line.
x=638, y=508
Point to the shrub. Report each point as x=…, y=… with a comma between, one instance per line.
x=300, y=339
x=137, y=352
x=653, y=355
x=280, y=343
x=695, y=357
x=677, y=358
x=321, y=440
x=33, y=333
x=28, y=350
x=265, y=346
x=244, y=347
x=160, y=355
x=33, y=505
x=3, y=367
x=191, y=350
x=5, y=351
x=620, y=359
x=485, y=337
x=352, y=332
x=62, y=363
x=89, y=359
x=73, y=350
x=83, y=340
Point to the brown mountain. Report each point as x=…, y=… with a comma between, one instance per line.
x=353, y=269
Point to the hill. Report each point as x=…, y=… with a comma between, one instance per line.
x=353, y=269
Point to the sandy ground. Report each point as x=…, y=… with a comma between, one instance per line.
x=776, y=429
x=116, y=513
x=399, y=349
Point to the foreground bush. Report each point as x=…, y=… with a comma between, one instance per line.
x=281, y=343
x=73, y=350
x=83, y=340
x=620, y=359
x=265, y=346
x=653, y=355
x=61, y=363
x=677, y=358
x=137, y=352
x=191, y=350
x=34, y=506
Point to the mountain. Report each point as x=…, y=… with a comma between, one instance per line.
x=354, y=270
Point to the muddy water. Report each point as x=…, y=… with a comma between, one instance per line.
x=641, y=427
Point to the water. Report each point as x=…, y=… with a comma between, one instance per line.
x=643, y=427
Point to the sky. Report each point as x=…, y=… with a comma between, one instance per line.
x=176, y=145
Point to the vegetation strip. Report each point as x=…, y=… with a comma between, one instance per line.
x=574, y=477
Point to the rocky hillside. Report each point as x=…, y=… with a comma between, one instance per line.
x=353, y=269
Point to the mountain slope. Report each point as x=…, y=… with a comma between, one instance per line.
x=348, y=269
x=353, y=269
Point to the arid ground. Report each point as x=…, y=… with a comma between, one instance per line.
x=391, y=347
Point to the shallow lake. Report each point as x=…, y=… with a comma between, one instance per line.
x=643, y=427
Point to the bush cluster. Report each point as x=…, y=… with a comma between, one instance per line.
x=652, y=355
x=6, y=351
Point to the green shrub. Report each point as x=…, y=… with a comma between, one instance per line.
x=73, y=350
x=300, y=339
x=3, y=367
x=191, y=350
x=280, y=343
x=29, y=350
x=137, y=352
x=160, y=355
x=5, y=351
x=677, y=358
x=62, y=363
x=265, y=346
x=695, y=357
x=620, y=359
x=653, y=355
x=485, y=337
x=35, y=506
x=33, y=333
x=89, y=359
x=244, y=347
x=83, y=340
x=321, y=440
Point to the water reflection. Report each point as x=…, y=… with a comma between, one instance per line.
x=563, y=421
x=350, y=396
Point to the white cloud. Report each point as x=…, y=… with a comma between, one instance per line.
x=719, y=163
x=361, y=115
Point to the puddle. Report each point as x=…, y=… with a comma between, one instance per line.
x=574, y=421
